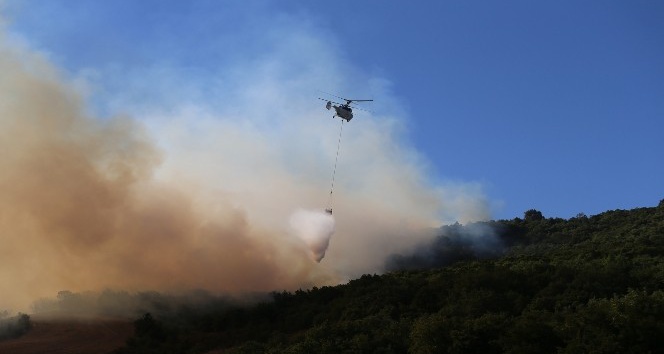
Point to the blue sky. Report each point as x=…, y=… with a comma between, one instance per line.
x=553, y=105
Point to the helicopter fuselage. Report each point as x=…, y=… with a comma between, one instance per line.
x=342, y=111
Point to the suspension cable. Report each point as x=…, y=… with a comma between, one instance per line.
x=334, y=172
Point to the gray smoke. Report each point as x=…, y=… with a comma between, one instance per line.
x=452, y=244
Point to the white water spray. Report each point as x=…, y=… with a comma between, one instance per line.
x=315, y=228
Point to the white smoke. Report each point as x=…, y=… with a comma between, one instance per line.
x=315, y=228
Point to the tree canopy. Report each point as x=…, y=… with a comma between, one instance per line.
x=587, y=284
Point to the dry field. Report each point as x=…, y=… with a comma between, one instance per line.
x=70, y=336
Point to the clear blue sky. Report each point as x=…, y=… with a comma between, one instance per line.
x=553, y=105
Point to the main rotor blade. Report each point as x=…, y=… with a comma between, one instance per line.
x=327, y=93
x=345, y=99
x=361, y=109
x=322, y=99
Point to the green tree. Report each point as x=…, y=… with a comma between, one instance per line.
x=533, y=215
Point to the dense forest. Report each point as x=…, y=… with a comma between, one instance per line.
x=528, y=285
x=541, y=285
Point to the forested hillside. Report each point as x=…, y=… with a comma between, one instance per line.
x=530, y=285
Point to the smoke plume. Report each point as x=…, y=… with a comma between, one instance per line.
x=190, y=195
x=453, y=243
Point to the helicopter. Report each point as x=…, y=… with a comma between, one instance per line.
x=343, y=110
